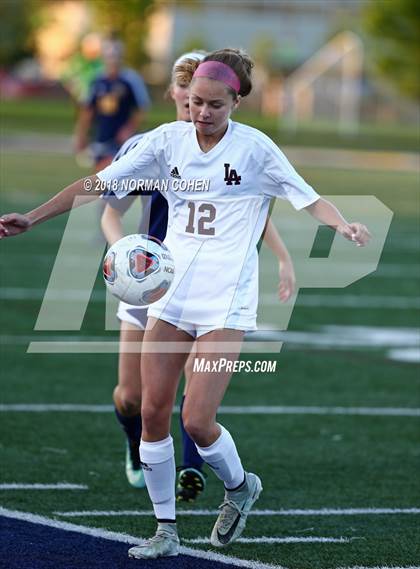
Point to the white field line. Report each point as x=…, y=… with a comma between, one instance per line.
x=224, y=410
x=290, y=539
x=125, y=538
x=17, y=340
x=323, y=336
x=411, y=355
x=59, y=486
x=309, y=156
x=407, y=241
x=341, y=336
x=346, y=301
x=270, y=513
x=268, y=299
x=388, y=271
x=261, y=344
x=384, y=270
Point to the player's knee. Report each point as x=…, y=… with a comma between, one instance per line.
x=127, y=401
x=155, y=416
x=196, y=427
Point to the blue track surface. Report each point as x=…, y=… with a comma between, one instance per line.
x=27, y=545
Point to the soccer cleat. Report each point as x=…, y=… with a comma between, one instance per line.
x=191, y=482
x=165, y=543
x=133, y=468
x=234, y=511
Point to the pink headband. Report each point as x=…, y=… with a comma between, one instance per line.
x=220, y=72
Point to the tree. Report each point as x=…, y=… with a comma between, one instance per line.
x=15, y=30
x=128, y=19
x=394, y=26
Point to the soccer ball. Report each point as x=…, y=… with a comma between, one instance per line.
x=138, y=269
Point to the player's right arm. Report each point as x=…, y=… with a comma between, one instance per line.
x=16, y=223
x=140, y=161
x=111, y=224
x=111, y=220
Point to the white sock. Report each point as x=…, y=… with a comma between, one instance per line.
x=158, y=463
x=223, y=459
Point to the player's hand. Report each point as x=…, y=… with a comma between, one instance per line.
x=356, y=232
x=13, y=224
x=287, y=282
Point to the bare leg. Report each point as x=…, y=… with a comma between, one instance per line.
x=127, y=399
x=205, y=390
x=214, y=443
x=191, y=458
x=127, y=394
x=191, y=479
x=160, y=378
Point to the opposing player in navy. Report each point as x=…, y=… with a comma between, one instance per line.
x=114, y=108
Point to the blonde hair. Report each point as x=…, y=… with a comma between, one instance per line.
x=237, y=59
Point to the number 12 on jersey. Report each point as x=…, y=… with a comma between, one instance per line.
x=209, y=216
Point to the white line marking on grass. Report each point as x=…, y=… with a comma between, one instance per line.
x=342, y=336
x=384, y=270
x=224, y=409
x=290, y=410
x=125, y=538
x=292, y=512
x=347, y=301
x=269, y=299
x=60, y=407
x=17, y=340
x=410, y=355
x=59, y=486
x=22, y=293
x=279, y=540
x=54, y=450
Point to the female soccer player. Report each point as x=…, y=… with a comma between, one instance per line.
x=127, y=394
x=212, y=236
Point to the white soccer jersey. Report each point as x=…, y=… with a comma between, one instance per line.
x=213, y=234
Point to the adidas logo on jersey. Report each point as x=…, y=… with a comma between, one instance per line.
x=175, y=173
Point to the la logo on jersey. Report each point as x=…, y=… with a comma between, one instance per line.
x=231, y=176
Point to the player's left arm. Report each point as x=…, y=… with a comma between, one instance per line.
x=287, y=281
x=325, y=212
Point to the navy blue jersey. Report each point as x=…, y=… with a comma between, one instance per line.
x=154, y=218
x=113, y=101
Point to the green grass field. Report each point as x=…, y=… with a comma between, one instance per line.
x=57, y=116
x=306, y=461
